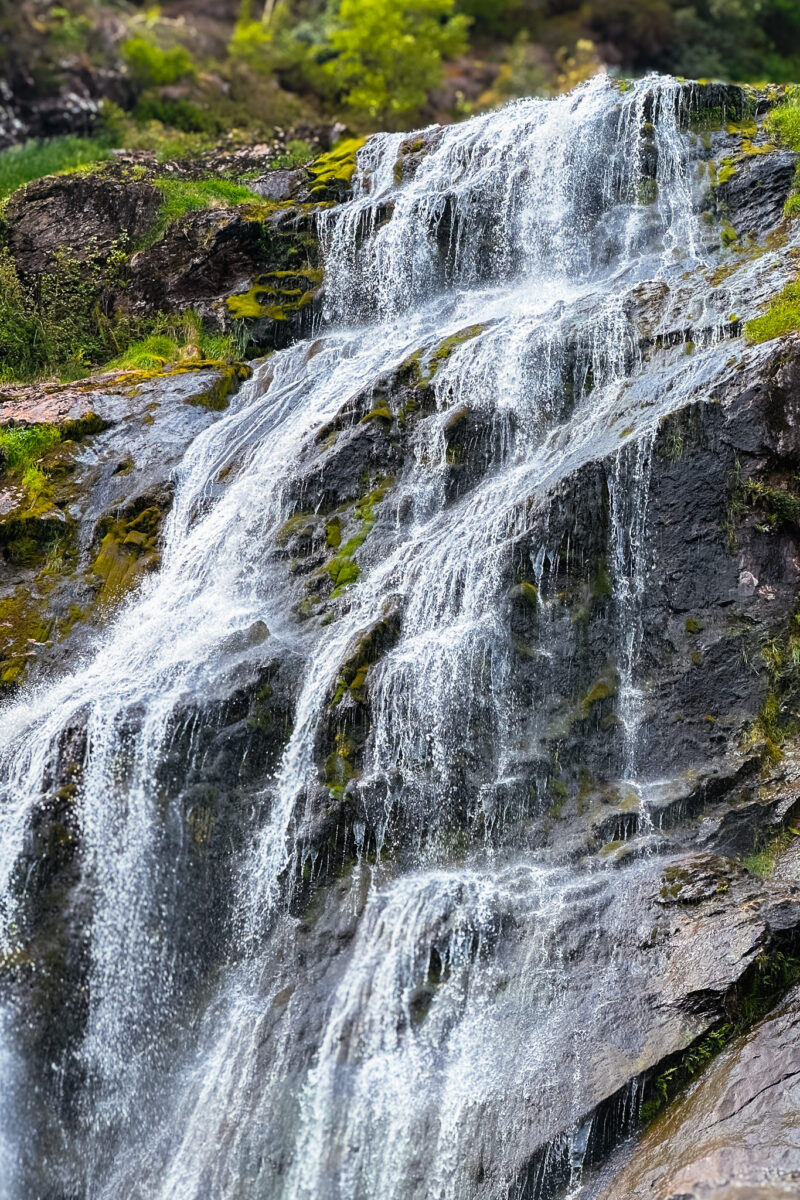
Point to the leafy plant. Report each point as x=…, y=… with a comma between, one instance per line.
x=58, y=325
x=387, y=54
x=150, y=66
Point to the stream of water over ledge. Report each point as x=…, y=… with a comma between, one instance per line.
x=372, y=785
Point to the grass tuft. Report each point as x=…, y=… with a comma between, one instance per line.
x=190, y=195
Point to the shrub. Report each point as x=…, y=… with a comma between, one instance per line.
x=150, y=66
x=179, y=114
x=388, y=53
x=58, y=325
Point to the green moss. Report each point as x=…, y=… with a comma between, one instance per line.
x=383, y=415
x=127, y=551
x=610, y=848
x=23, y=624
x=529, y=592
x=694, y=626
x=783, y=316
x=333, y=533
x=216, y=397
x=602, y=690
x=728, y=235
x=445, y=348
x=301, y=524
x=276, y=295
x=647, y=192
x=337, y=167
x=745, y=129
x=343, y=572
x=339, y=767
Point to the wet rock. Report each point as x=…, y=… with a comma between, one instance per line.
x=736, y=1133
x=72, y=552
x=211, y=258
x=754, y=196
x=697, y=879
x=280, y=184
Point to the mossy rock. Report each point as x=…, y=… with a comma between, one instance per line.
x=127, y=551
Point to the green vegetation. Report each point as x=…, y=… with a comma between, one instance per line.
x=387, y=54
x=190, y=195
x=150, y=66
x=762, y=861
x=33, y=160
x=21, y=448
x=784, y=121
x=280, y=62
x=783, y=316
x=58, y=326
x=765, y=982
x=185, y=341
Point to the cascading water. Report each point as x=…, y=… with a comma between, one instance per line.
x=503, y=273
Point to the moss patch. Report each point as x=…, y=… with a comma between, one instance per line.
x=127, y=551
x=333, y=172
x=783, y=316
x=276, y=295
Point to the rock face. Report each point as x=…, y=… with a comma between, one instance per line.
x=446, y=668
x=734, y=1135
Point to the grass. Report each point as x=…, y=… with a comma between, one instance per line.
x=20, y=451
x=163, y=349
x=784, y=122
x=33, y=160
x=763, y=859
x=190, y=195
x=21, y=448
x=783, y=316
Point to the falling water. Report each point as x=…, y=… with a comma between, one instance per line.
x=522, y=236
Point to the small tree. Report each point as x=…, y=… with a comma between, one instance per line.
x=388, y=53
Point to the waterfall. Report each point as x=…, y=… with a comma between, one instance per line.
x=503, y=272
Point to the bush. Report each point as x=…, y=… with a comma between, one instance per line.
x=388, y=53
x=178, y=114
x=150, y=66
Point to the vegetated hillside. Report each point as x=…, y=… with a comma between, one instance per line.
x=201, y=70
